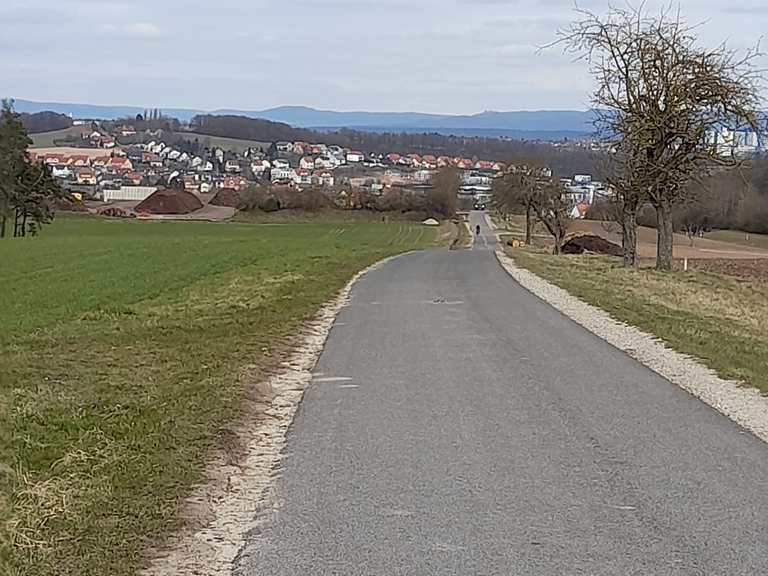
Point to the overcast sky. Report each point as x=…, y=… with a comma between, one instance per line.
x=446, y=56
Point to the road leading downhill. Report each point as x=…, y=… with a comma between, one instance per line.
x=458, y=425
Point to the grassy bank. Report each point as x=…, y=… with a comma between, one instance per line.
x=716, y=318
x=121, y=343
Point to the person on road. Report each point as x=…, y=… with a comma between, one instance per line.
x=477, y=230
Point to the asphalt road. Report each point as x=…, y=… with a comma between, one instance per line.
x=457, y=425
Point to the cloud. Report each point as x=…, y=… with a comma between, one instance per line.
x=458, y=56
x=142, y=29
x=133, y=30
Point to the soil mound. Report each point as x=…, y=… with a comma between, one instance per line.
x=592, y=244
x=69, y=203
x=226, y=197
x=114, y=212
x=170, y=201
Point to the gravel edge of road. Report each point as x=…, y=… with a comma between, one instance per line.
x=222, y=510
x=745, y=406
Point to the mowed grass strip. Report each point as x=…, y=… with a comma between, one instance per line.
x=719, y=319
x=121, y=349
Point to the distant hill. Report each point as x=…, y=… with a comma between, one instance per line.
x=542, y=125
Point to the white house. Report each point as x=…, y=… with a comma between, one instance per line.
x=61, y=172
x=307, y=163
x=282, y=174
x=303, y=178
x=232, y=166
x=325, y=163
x=280, y=164
x=258, y=167
x=285, y=147
x=322, y=178
x=355, y=156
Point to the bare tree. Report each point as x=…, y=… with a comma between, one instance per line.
x=443, y=196
x=552, y=210
x=662, y=99
x=517, y=190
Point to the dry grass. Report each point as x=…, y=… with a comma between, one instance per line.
x=718, y=319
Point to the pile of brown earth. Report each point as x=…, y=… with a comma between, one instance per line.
x=114, y=212
x=169, y=201
x=226, y=197
x=70, y=203
x=592, y=244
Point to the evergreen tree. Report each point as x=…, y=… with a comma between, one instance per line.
x=27, y=190
x=13, y=147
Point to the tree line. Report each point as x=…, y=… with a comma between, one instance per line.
x=28, y=191
x=45, y=122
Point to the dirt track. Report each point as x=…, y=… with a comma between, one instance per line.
x=703, y=248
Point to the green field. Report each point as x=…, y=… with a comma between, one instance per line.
x=718, y=319
x=121, y=343
x=743, y=238
x=234, y=144
x=47, y=139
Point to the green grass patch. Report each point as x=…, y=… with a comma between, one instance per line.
x=737, y=237
x=121, y=347
x=718, y=319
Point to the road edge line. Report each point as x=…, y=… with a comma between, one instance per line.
x=741, y=404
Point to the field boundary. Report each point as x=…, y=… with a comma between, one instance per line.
x=228, y=504
x=742, y=404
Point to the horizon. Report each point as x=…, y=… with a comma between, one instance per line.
x=444, y=57
x=279, y=106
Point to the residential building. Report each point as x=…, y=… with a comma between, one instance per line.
x=283, y=174
x=232, y=166
x=235, y=182
x=307, y=163
x=86, y=176
x=323, y=178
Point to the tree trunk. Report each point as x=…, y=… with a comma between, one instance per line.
x=24, y=224
x=16, y=223
x=3, y=214
x=665, y=235
x=529, y=225
x=559, y=236
x=629, y=235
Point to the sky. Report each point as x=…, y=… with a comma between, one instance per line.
x=439, y=56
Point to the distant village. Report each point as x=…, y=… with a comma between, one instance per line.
x=108, y=163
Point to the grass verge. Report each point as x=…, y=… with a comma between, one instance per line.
x=121, y=347
x=718, y=319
